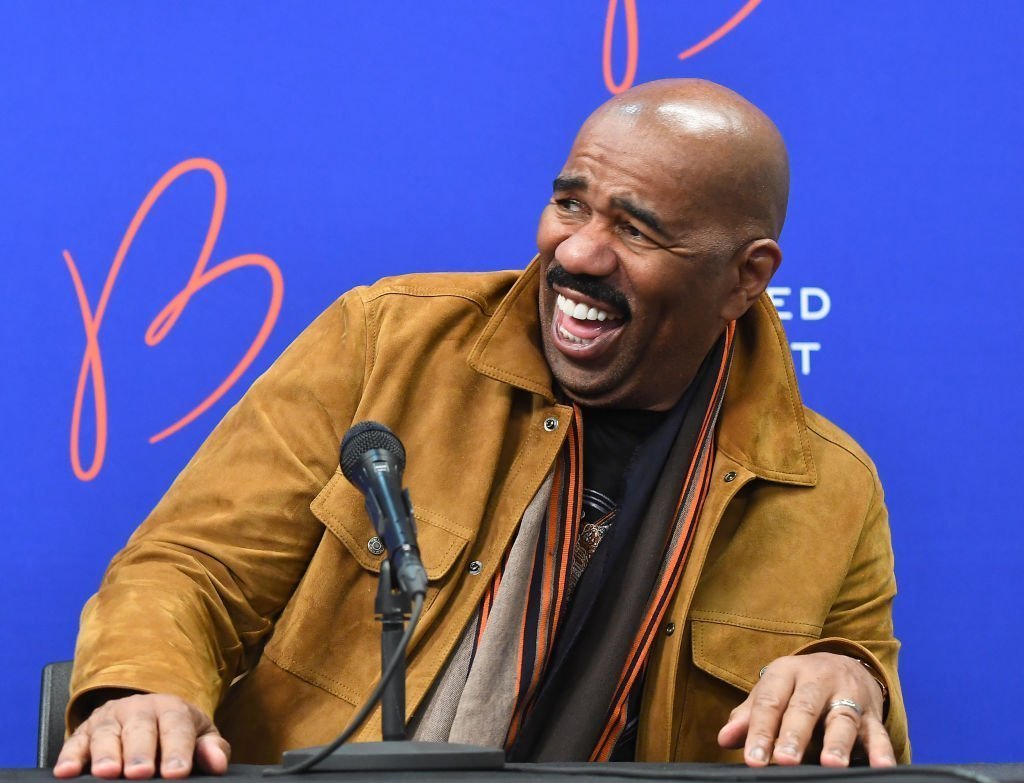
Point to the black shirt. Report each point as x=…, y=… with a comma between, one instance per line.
x=610, y=440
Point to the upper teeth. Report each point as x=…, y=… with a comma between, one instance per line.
x=580, y=311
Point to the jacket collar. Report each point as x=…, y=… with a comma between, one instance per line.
x=509, y=348
x=762, y=425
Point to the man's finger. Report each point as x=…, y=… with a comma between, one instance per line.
x=212, y=753
x=842, y=726
x=105, y=745
x=877, y=743
x=734, y=732
x=798, y=722
x=177, y=727
x=139, y=744
x=73, y=756
x=768, y=701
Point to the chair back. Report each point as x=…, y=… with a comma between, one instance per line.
x=53, y=701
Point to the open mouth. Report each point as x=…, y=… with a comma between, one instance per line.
x=584, y=328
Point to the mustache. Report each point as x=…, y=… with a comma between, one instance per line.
x=591, y=286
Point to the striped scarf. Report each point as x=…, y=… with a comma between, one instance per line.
x=550, y=578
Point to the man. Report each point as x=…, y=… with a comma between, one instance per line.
x=639, y=543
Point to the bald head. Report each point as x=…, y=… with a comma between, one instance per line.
x=660, y=232
x=711, y=132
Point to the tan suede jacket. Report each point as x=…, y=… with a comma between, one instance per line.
x=249, y=590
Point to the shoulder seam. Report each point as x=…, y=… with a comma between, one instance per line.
x=824, y=436
x=420, y=291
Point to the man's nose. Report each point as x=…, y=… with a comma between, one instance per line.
x=588, y=251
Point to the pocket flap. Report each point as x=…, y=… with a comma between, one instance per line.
x=341, y=507
x=734, y=648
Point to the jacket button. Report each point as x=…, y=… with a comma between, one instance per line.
x=550, y=424
x=375, y=545
x=476, y=567
x=670, y=629
x=730, y=476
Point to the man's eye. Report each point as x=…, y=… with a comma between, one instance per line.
x=569, y=204
x=632, y=231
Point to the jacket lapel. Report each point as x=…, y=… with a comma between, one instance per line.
x=762, y=425
x=509, y=348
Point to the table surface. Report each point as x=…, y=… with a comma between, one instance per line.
x=551, y=773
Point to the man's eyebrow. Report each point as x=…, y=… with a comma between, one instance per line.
x=569, y=183
x=643, y=215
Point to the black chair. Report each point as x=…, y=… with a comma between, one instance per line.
x=53, y=701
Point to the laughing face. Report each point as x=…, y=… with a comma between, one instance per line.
x=641, y=267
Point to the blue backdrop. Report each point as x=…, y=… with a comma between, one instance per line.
x=355, y=140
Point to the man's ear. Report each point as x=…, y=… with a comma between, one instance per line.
x=756, y=264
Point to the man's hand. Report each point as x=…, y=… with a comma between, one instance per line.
x=128, y=736
x=795, y=693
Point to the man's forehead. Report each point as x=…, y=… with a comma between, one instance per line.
x=645, y=157
x=626, y=165
x=681, y=149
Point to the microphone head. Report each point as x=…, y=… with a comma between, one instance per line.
x=363, y=437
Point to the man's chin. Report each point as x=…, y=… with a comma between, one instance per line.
x=586, y=387
x=587, y=378
x=609, y=387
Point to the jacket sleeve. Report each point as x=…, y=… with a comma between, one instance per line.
x=860, y=623
x=185, y=606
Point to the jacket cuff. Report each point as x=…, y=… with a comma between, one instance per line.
x=102, y=687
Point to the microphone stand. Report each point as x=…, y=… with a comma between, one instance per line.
x=392, y=608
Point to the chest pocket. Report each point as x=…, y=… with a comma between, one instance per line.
x=342, y=509
x=728, y=652
x=327, y=634
x=733, y=648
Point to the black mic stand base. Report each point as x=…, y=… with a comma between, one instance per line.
x=401, y=755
